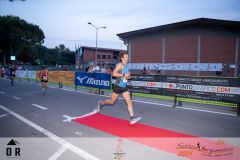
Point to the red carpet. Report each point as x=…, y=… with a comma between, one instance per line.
x=163, y=139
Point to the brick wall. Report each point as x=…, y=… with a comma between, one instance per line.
x=88, y=55
x=105, y=53
x=146, y=49
x=181, y=47
x=218, y=49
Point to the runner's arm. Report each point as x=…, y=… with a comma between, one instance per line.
x=115, y=72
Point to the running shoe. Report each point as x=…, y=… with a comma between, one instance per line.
x=99, y=107
x=135, y=119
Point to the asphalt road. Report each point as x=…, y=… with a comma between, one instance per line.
x=36, y=122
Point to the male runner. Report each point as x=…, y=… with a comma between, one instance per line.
x=121, y=72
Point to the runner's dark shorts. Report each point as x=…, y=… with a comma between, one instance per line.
x=119, y=90
x=43, y=80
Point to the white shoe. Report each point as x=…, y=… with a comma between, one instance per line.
x=99, y=106
x=135, y=119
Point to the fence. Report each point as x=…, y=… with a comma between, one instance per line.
x=180, y=87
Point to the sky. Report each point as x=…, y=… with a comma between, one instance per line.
x=66, y=21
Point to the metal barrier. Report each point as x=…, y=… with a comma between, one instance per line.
x=187, y=87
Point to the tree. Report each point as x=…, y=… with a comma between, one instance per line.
x=17, y=36
x=64, y=55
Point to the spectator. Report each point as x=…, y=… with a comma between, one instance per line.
x=12, y=75
x=1, y=72
x=90, y=69
x=110, y=70
x=144, y=71
x=95, y=68
x=103, y=69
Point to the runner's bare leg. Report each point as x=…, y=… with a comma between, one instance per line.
x=127, y=98
x=111, y=101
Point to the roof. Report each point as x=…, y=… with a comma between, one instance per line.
x=235, y=25
x=105, y=49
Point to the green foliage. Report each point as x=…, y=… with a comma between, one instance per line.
x=24, y=40
x=18, y=37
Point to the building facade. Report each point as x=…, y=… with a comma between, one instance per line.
x=195, y=41
x=87, y=55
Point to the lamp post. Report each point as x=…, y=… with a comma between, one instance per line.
x=97, y=28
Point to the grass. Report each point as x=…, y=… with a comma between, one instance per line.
x=225, y=104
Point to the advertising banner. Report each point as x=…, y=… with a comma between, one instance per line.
x=205, y=88
x=95, y=80
x=53, y=76
x=21, y=74
x=66, y=77
x=178, y=66
x=31, y=74
x=26, y=74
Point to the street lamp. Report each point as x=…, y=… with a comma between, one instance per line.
x=97, y=28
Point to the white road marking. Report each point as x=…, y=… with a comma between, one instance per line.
x=78, y=133
x=59, y=152
x=154, y=103
x=90, y=93
x=71, y=147
x=1, y=116
x=17, y=98
x=88, y=114
x=51, y=87
x=229, y=114
x=68, y=89
x=69, y=118
x=2, y=92
x=41, y=107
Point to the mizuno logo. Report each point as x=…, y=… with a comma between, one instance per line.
x=93, y=81
x=81, y=79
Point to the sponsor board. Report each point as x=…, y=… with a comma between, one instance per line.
x=95, y=80
x=205, y=88
x=179, y=66
x=26, y=74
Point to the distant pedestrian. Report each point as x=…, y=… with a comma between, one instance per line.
x=12, y=73
x=44, y=79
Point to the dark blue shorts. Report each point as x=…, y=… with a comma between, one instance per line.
x=119, y=90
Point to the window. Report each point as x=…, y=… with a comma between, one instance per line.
x=104, y=56
x=108, y=56
x=114, y=57
x=98, y=56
